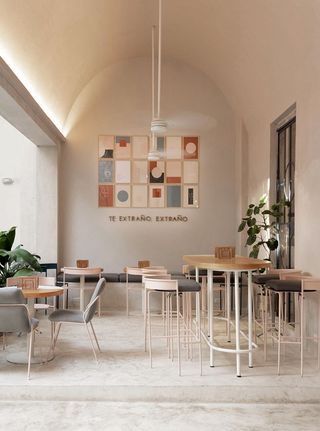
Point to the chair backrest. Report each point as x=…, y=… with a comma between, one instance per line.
x=14, y=315
x=30, y=282
x=161, y=284
x=308, y=282
x=132, y=270
x=78, y=271
x=225, y=252
x=155, y=277
x=93, y=304
x=47, y=281
x=284, y=272
x=154, y=271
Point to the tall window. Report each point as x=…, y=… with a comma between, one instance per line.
x=286, y=191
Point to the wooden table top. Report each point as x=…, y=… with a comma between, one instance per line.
x=238, y=263
x=42, y=292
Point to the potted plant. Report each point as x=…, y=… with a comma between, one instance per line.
x=17, y=261
x=262, y=226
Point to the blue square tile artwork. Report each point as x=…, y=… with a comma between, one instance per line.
x=105, y=171
x=173, y=196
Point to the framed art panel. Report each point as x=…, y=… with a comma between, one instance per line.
x=128, y=179
x=122, y=196
x=139, y=196
x=156, y=172
x=123, y=171
x=173, y=147
x=105, y=171
x=123, y=147
x=140, y=147
x=106, y=147
x=105, y=195
x=190, y=196
x=173, y=172
x=156, y=196
x=190, y=172
x=139, y=171
x=174, y=196
x=190, y=147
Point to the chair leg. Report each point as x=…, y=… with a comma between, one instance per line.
x=55, y=337
x=302, y=331
x=95, y=336
x=198, y=331
x=31, y=338
x=127, y=298
x=178, y=333
x=145, y=320
x=149, y=328
x=279, y=329
x=91, y=341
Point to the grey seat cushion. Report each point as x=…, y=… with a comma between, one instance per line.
x=75, y=316
x=264, y=278
x=132, y=278
x=109, y=277
x=284, y=285
x=187, y=285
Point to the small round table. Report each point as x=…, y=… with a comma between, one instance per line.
x=31, y=294
x=236, y=265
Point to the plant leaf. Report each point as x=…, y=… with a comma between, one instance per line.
x=251, y=239
x=242, y=225
x=24, y=272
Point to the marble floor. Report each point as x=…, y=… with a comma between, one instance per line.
x=122, y=392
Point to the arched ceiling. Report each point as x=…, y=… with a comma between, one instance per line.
x=254, y=50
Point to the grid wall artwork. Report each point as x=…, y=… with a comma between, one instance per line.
x=127, y=179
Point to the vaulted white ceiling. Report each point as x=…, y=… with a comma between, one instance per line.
x=254, y=50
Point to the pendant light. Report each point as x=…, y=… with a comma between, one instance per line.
x=158, y=125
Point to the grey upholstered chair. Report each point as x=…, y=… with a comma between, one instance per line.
x=79, y=317
x=14, y=316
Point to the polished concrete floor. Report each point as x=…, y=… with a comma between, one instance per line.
x=123, y=392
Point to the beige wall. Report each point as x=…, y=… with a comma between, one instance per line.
x=118, y=101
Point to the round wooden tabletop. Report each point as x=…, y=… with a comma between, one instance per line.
x=42, y=292
x=237, y=263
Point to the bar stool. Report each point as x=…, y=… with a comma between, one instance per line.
x=262, y=301
x=177, y=288
x=137, y=273
x=299, y=285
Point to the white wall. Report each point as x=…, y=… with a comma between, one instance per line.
x=117, y=101
x=17, y=208
x=30, y=203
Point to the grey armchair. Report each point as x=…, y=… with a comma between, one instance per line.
x=79, y=317
x=14, y=316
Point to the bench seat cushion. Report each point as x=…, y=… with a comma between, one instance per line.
x=109, y=277
x=132, y=278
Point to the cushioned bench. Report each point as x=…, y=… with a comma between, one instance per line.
x=109, y=277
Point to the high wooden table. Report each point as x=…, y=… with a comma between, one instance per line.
x=30, y=295
x=236, y=265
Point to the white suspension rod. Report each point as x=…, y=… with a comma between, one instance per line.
x=153, y=71
x=159, y=57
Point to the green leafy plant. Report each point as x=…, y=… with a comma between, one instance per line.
x=262, y=226
x=16, y=262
